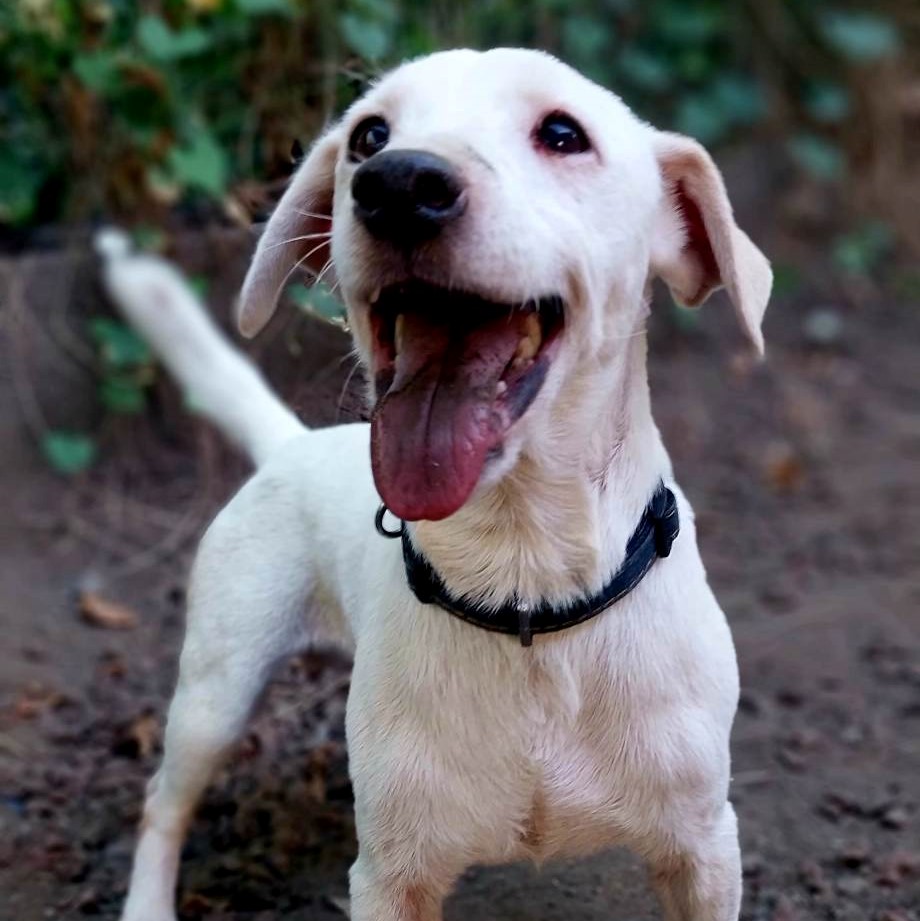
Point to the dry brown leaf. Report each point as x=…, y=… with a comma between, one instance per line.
x=100, y=612
x=137, y=739
x=33, y=700
x=145, y=731
x=783, y=468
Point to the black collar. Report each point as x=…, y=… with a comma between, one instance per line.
x=654, y=534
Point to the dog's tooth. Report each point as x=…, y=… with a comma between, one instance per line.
x=398, y=327
x=534, y=332
x=531, y=340
x=500, y=388
x=525, y=350
x=375, y=296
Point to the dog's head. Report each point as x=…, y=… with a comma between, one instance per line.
x=493, y=220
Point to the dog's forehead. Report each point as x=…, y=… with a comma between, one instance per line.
x=451, y=88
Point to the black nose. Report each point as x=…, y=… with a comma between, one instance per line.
x=407, y=196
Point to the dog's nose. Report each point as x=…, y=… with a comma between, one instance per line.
x=407, y=196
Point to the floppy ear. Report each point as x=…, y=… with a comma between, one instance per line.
x=299, y=231
x=698, y=248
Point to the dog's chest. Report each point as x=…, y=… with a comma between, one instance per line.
x=541, y=744
x=579, y=751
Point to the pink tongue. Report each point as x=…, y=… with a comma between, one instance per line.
x=432, y=430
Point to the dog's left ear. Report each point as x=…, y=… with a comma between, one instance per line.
x=697, y=246
x=299, y=232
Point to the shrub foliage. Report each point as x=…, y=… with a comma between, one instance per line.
x=127, y=106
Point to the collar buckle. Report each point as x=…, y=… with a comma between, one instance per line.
x=525, y=633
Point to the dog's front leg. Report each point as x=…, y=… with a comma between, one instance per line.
x=379, y=895
x=412, y=843
x=245, y=614
x=437, y=740
x=702, y=882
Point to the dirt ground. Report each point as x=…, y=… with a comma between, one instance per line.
x=804, y=476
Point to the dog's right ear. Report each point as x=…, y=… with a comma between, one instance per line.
x=299, y=231
x=698, y=247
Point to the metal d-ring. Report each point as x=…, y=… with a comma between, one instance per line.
x=381, y=528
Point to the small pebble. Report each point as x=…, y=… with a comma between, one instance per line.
x=895, y=818
x=823, y=327
x=852, y=885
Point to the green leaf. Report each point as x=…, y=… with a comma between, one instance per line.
x=317, y=300
x=382, y=11
x=98, y=71
x=681, y=24
x=822, y=159
x=163, y=44
x=701, y=119
x=585, y=38
x=787, y=280
x=19, y=187
x=647, y=71
x=266, y=7
x=122, y=395
x=68, y=452
x=828, y=103
x=201, y=164
x=119, y=346
x=861, y=36
x=150, y=239
x=369, y=40
x=739, y=99
x=200, y=285
x=860, y=252
x=695, y=64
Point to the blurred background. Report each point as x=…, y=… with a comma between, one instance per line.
x=181, y=120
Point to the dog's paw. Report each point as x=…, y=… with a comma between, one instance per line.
x=134, y=910
x=145, y=914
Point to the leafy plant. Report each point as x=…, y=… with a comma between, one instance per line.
x=126, y=368
x=817, y=156
x=862, y=251
x=69, y=452
x=133, y=107
x=317, y=300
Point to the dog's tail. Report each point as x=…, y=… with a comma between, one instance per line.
x=219, y=382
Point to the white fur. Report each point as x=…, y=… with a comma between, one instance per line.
x=464, y=746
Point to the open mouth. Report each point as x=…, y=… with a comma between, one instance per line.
x=453, y=372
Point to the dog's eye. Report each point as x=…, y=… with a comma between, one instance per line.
x=561, y=134
x=369, y=137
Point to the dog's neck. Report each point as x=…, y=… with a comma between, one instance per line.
x=557, y=524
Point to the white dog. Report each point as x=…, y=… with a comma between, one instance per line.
x=494, y=221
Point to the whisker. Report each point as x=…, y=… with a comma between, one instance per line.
x=323, y=271
x=297, y=265
x=344, y=390
x=635, y=335
x=308, y=236
x=320, y=217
